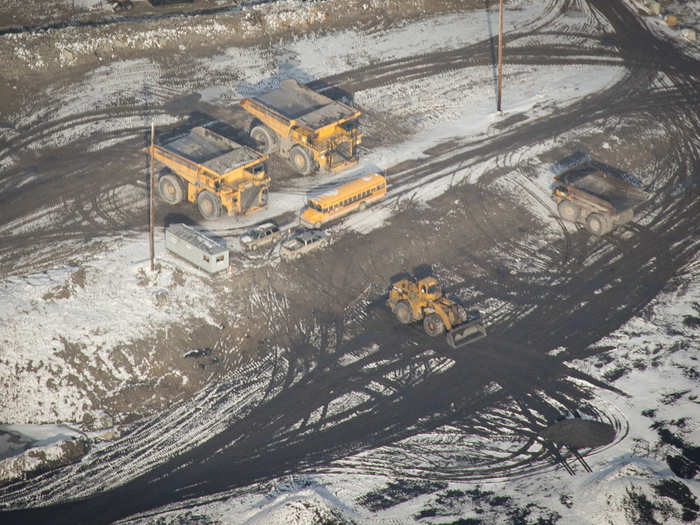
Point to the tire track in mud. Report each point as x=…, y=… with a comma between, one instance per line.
x=432, y=397
x=27, y=137
x=645, y=243
x=371, y=76
x=470, y=450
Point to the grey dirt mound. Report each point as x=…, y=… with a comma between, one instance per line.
x=580, y=433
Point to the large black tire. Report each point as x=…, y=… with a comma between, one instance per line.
x=433, y=325
x=403, y=312
x=597, y=224
x=568, y=210
x=209, y=205
x=264, y=138
x=302, y=160
x=170, y=189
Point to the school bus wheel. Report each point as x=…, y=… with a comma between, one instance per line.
x=301, y=160
x=169, y=189
x=209, y=205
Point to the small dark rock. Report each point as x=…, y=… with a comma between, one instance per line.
x=198, y=352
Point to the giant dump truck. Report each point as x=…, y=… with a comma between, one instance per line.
x=310, y=129
x=598, y=200
x=422, y=300
x=213, y=171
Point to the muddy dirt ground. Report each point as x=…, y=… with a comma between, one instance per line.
x=491, y=243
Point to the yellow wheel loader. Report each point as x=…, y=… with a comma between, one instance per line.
x=422, y=300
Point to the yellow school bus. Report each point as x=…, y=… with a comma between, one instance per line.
x=356, y=194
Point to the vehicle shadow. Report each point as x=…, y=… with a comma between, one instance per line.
x=354, y=383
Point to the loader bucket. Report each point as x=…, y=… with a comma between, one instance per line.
x=466, y=334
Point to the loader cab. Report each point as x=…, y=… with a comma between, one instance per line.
x=430, y=288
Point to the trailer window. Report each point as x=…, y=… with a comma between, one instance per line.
x=219, y=258
x=206, y=258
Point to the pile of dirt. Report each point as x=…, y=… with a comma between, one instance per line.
x=35, y=461
x=579, y=433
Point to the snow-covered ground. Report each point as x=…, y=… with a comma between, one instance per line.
x=631, y=478
x=112, y=300
x=98, y=309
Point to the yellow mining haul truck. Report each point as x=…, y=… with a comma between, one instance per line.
x=216, y=173
x=422, y=300
x=310, y=129
x=598, y=200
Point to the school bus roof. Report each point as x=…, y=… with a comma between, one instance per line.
x=350, y=188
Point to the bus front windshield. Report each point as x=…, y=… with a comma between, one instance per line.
x=315, y=206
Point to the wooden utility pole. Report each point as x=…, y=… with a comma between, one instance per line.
x=152, y=200
x=500, y=54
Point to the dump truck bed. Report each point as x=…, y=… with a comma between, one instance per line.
x=620, y=194
x=213, y=152
x=305, y=106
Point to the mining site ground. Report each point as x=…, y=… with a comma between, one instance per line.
x=223, y=385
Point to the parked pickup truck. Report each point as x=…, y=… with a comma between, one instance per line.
x=260, y=236
x=601, y=201
x=302, y=242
